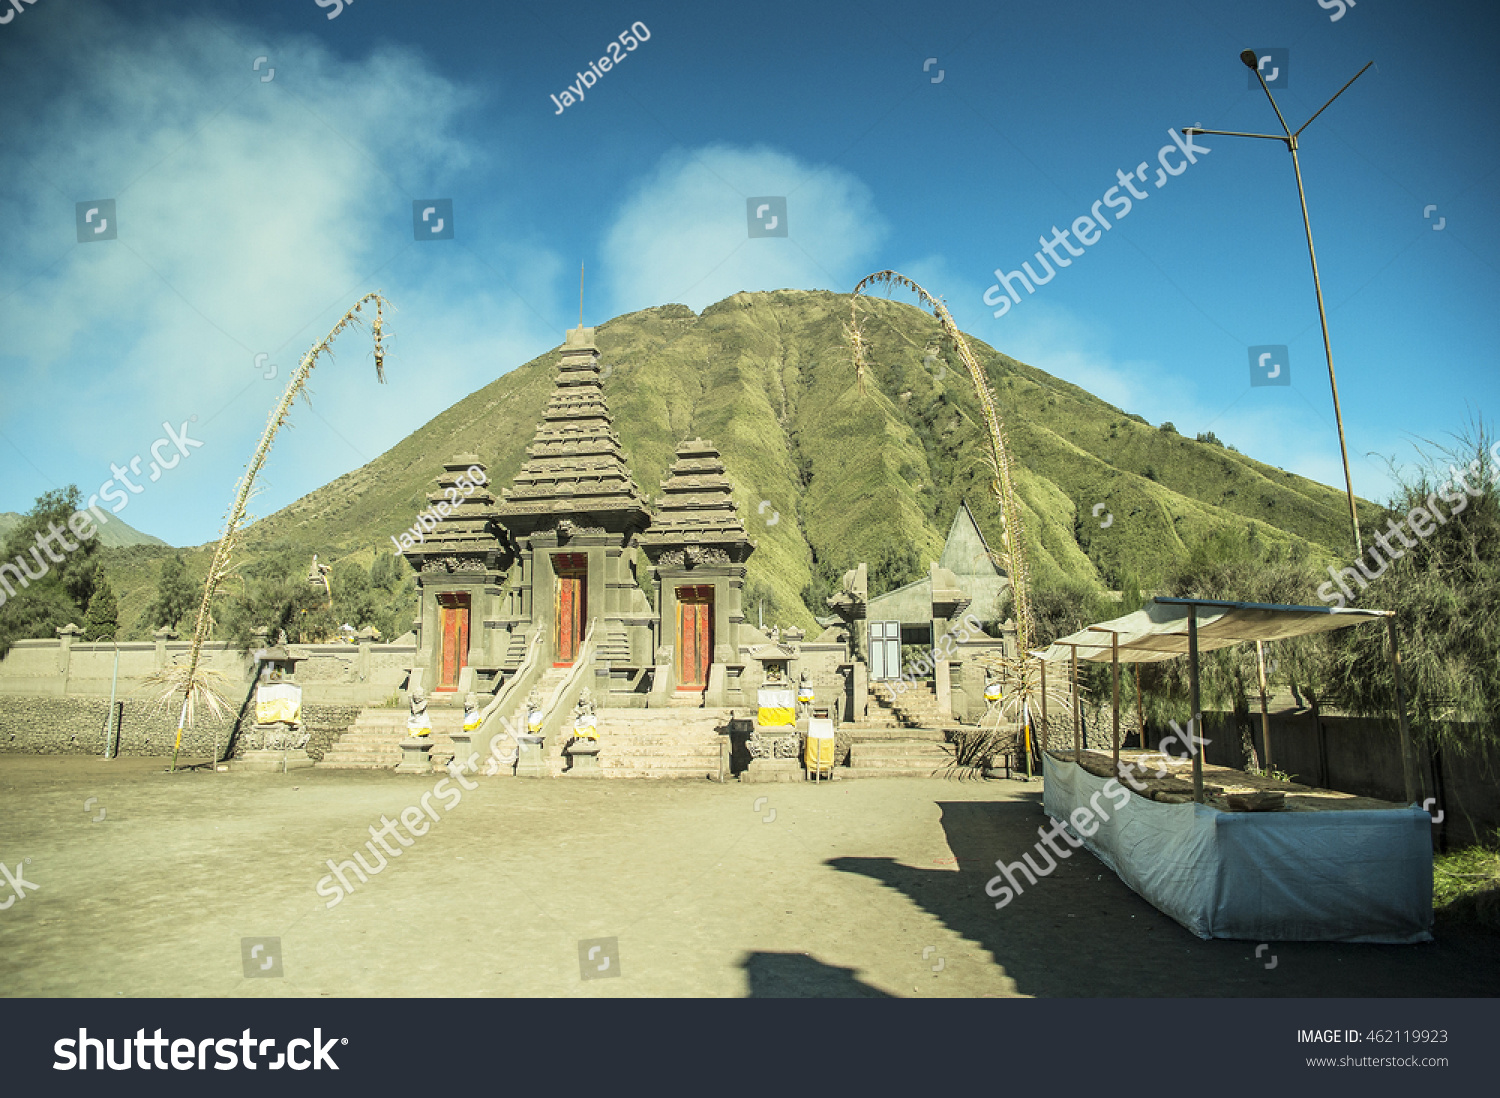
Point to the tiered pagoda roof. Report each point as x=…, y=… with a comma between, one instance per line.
x=575, y=467
x=464, y=531
x=696, y=507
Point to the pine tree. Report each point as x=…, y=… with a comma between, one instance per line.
x=38, y=606
x=103, y=617
x=176, y=597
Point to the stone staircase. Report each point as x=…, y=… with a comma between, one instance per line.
x=899, y=738
x=896, y=753
x=372, y=741
x=914, y=707
x=660, y=743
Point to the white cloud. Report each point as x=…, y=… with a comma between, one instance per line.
x=683, y=236
x=250, y=214
x=1271, y=425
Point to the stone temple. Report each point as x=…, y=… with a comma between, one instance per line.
x=564, y=605
x=530, y=598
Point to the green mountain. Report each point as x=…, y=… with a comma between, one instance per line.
x=827, y=475
x=114, y=534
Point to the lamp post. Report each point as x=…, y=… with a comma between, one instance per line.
x=1252, y=62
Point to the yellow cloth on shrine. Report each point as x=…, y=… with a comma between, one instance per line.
x=472, y=724
x=819, y=752
x=280, y=701
x=776, y=707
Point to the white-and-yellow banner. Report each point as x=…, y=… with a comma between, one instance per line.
x=777, y=707
x=819, y=752
x=278, y=701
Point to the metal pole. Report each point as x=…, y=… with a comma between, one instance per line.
x=1333, y=385
x=1265, y=719
x=1195, y=724
x=1290, y=140
x=1114, y=655
x=1408, y=773
x=111, y=730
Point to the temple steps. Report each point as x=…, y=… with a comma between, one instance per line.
x=372, y=741
x=863, y=733
x=914, y=707
x=898, y=758
x=661, y=743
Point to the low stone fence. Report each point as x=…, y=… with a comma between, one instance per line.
x=364, y=673
x=51, y=725
x=1362, y=755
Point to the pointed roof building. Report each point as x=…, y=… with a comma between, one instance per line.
x=696, y=508
x=576, y=470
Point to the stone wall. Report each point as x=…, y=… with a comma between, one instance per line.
x=329, y=673
x=75, y=725
x=1362, y=755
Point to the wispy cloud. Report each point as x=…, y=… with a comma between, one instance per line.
x=250, y=213
x=1289, y=428
x=683, y=234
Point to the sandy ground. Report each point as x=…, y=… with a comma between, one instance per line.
x=855, y=888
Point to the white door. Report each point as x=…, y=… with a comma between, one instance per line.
x=885, y=650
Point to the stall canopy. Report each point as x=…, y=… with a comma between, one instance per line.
x=1159, y=630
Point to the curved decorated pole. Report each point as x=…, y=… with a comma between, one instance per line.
x=1003, y=484
x=191, y=679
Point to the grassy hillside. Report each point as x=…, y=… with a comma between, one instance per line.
x=845, y=475
x=115, y=533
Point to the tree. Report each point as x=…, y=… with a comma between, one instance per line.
x=1445, y=591
x=175, y=595
x=354, y=598
x=394, y=592
x=103, y=618
x=1233, y=565
x=38, y=593
x=894, y=565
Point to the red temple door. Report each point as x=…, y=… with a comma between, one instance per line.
x=453, y=626
x=572, y=608
x=695, y=639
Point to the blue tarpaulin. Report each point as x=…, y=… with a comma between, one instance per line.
x=1363, y=875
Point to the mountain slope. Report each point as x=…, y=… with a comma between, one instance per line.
x=114, y=534
x=826, y=475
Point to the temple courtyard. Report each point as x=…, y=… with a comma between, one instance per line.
x=145, y=883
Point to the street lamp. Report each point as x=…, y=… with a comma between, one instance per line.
x=1252, y=62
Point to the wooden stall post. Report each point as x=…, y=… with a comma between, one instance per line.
x=1265, y=719
x=1408, y=773
x=1194, y=726
x=1046, y=728
x=1077, y=710
x=1140, y=715
x=1114, y=656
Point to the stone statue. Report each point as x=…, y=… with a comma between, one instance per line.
x=418, y=723
x=534, y=712
x=471, y=712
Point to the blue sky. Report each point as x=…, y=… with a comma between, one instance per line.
x=251, y=212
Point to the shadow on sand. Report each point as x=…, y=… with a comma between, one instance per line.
x=798, y=976
x=1080, y=931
